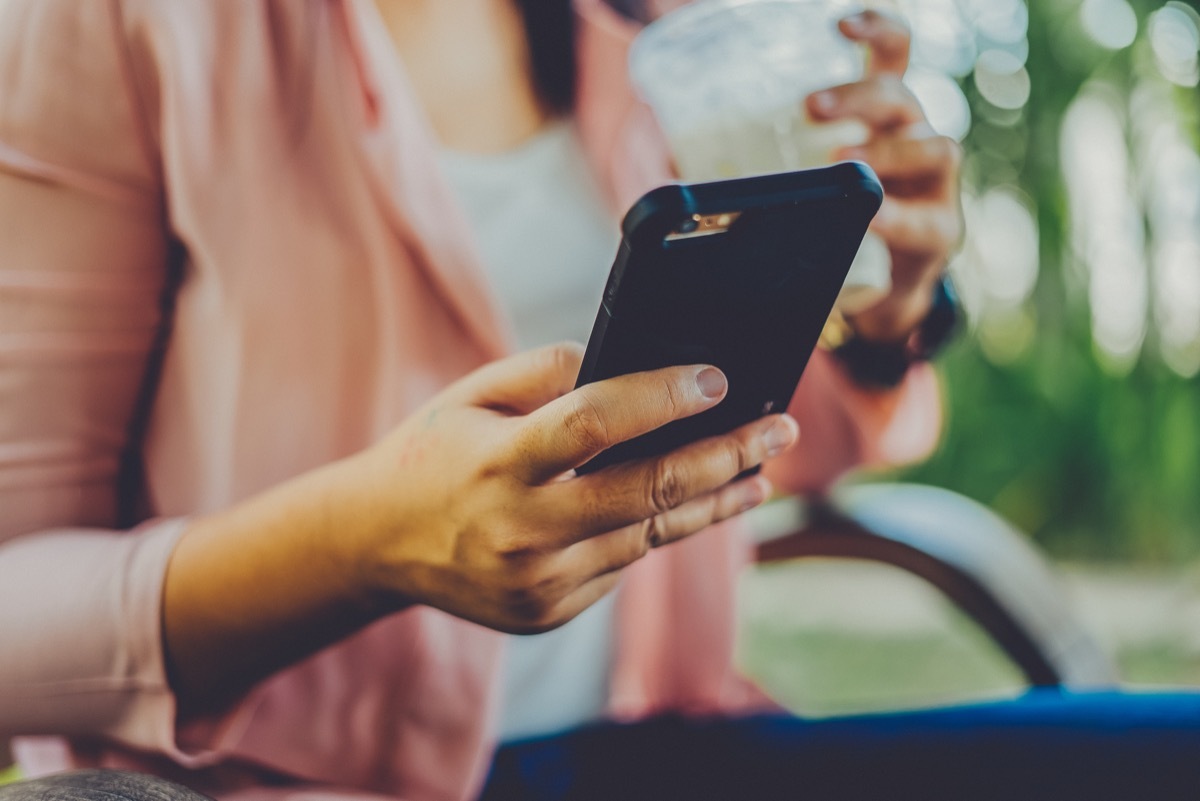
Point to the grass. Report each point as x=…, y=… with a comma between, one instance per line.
x=822, y=649
x=822, y=673
x=829, y=638
x=1159, y=665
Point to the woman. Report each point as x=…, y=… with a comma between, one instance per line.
x=269, y=498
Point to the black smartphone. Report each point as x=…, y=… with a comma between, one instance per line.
x=740, y=274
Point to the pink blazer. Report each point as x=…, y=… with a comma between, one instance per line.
x=263, y=169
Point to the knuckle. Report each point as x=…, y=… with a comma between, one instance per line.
x=562, y=358
x=671, y=399
x=523, y=553
x=667, y=487
x=585, y=424
x=845, y=92
x=887, y=103
x=532, y=595
x=744, y=454
x=651, y=534
x=558, y=355
x=515, y=557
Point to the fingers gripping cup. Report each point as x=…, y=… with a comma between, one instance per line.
x=727, y=81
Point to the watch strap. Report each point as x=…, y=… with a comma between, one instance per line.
x=882, y=365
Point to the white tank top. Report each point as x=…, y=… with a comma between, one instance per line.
x=547, y=241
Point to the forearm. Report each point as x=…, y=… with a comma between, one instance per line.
x=253, y=589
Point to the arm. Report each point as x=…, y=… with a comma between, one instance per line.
x=847, y=425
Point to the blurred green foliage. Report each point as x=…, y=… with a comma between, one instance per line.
x=1091, y=465
x=1094, y=462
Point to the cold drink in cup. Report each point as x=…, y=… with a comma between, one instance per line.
x=727, y=81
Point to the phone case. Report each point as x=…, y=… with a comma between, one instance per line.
x=751, y=300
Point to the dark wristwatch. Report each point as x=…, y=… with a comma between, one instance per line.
x=882, y=365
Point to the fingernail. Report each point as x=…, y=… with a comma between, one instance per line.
x=823, y=102
x=753, y=494
x=711, y=382
x=778, y=437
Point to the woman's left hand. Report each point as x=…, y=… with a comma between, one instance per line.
x=921, y=217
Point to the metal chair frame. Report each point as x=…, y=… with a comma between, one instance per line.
x=978, y=561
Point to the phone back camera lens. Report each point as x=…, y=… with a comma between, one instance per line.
x=689, y=225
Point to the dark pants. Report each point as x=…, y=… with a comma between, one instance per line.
x=1046, y=745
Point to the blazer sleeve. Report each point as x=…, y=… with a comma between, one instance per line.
x=844, y=426
x=83, y=253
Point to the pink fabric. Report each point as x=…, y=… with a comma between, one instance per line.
x=328, y=288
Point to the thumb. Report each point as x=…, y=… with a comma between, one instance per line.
x=524, y=382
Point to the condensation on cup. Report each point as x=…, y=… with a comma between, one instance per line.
x=727, y=81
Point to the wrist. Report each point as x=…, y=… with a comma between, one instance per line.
x=880, y=362
x=896, y=318
x=259, y=586
x=359, y=525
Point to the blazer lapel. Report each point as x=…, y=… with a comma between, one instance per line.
x=401, y=154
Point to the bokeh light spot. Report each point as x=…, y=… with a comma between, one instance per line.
x=1111, y=23
x=1002, y=79
x=1174, y=32
x=1000, y=21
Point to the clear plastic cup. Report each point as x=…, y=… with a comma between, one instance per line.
x=727, y=81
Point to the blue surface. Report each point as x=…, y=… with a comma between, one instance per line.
x=1046, y=745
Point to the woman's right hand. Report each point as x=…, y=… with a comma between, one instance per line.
x=472, y=505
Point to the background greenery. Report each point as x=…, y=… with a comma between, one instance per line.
x=1094, y=453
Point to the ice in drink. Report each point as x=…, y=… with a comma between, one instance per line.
x=727, y=81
